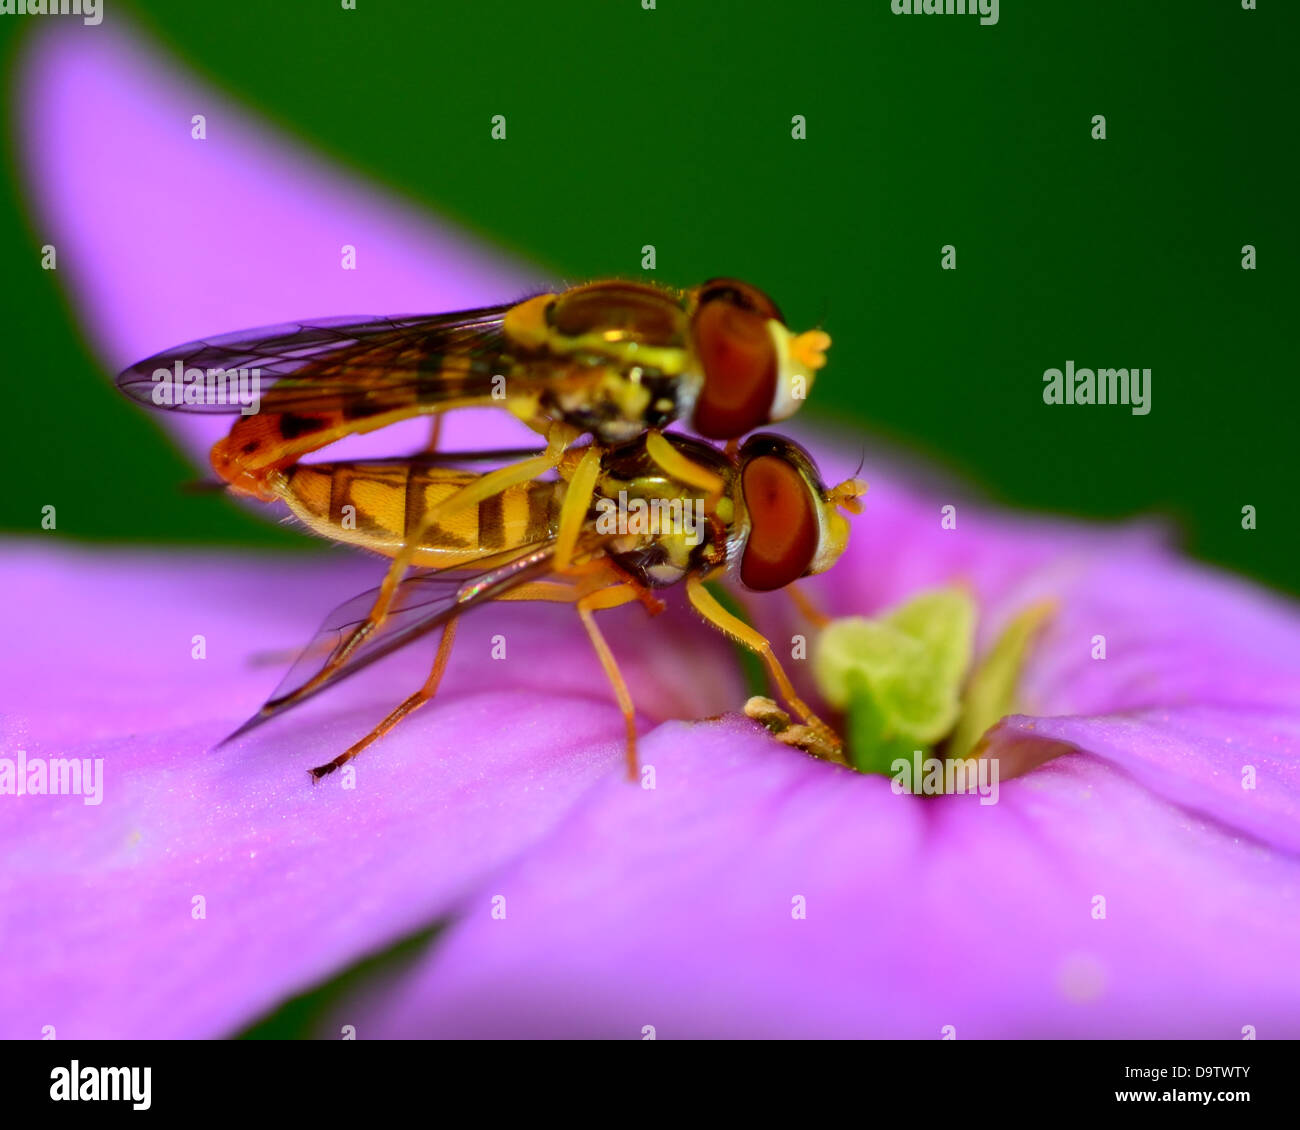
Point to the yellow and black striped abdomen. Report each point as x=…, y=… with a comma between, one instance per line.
x=301, y=416
x=378, y=506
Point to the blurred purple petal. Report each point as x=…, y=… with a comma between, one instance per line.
x=95, y=901
x=626, y=906
x=234, y=231
x=673, y=908
x=1175, y=634
x=1238, y=766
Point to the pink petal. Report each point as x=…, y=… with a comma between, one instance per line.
x=95, y=901
x=673, y=908
x=1201, y=757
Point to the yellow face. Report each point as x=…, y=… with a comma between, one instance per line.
x=835, y=526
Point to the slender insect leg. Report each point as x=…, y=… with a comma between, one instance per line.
x=435, y=434
x=418, y=699
x=609, y=598
x=803, y=603
x=704, y=603
x=807, y=606
x=686, y=470
x=601, y=575
x=487, y=485
x=574, y=509
x=683, y=468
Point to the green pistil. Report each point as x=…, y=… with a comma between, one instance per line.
x=901, y=678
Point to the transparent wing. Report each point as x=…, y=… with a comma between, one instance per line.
x=314, y=365
x=423, y=602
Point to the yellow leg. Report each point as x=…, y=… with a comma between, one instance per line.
x=684, y=469
x=804, y=603
x=435, y=434
x=704, y=603
x=576, y=505
x=610, y=598
x=484, y=487
x=415, y=701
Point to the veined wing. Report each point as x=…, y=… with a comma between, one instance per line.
x=315, y=365
x=424, y=601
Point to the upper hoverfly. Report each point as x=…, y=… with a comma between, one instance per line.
x=548, y=540
x=610, y=358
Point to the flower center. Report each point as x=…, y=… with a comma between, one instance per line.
x=905, y=680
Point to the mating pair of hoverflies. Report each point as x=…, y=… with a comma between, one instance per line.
x=613, y=360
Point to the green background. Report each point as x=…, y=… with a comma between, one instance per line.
x=672, y=127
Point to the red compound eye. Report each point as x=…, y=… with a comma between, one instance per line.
x=784, y=530
x=739, y=360
x=740, y=294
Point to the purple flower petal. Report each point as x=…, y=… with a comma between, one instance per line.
x=900, y=546
x=95, y=901
x=668, y=906
x=1202, y=757
x=235, y=231
x=1175, y=634
x=673, y=908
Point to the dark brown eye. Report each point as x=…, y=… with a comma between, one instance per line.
x=739, y=294
x=739, y=361
x=783, y=527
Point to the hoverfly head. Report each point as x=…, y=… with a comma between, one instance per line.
x=755, y=370
x=794, y=527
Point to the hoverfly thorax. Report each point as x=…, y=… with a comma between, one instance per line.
x=636, y=334
x=678, y=537
x=754, y=370
x=792, y=526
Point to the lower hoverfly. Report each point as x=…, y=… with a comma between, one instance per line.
x=774, y=522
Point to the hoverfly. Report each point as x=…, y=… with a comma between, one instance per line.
x=615, y=359
x=611, y=358
x=551, y=540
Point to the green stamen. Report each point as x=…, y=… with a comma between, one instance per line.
x=991, y=693
x=899, y=676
